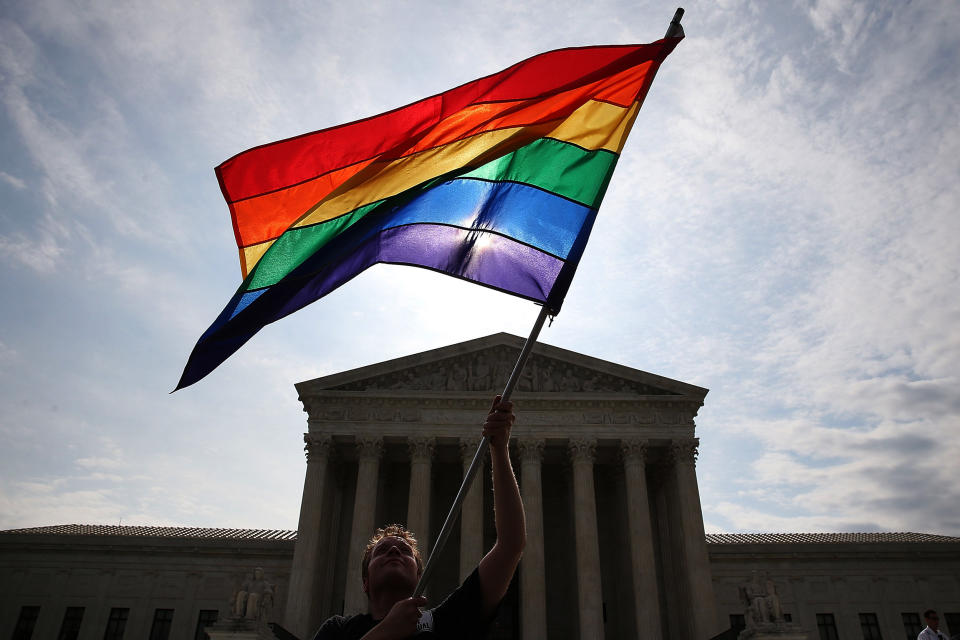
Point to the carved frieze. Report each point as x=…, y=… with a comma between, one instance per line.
x=488, y=371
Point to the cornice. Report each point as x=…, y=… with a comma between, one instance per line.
x=358, y=406
x=484, y=364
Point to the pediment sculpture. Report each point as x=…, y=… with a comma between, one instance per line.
x=489, y=369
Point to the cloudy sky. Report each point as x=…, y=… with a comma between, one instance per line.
x=782, y=229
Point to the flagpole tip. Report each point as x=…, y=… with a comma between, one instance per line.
x=675, y=29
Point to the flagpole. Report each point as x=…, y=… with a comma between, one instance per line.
x=478, y=456
x=674, y=30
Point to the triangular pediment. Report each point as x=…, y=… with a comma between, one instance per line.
x=483, y=365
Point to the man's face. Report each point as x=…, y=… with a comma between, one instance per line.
x=392, y=565
x=933, y=621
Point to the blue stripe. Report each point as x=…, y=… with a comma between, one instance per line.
x=535, y=217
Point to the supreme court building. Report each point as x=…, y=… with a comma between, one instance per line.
x=605, y=457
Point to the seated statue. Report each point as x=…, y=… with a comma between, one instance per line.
x=254, y=600
x=762, y=604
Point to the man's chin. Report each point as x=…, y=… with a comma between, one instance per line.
x=395, y=581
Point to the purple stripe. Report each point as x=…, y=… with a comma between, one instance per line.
x=482, y=257
x=479, y=256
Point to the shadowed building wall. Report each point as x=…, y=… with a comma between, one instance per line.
x=590, y=436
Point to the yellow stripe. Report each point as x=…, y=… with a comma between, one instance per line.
x=252, y=255
x=595, y=125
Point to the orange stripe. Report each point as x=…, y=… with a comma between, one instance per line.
x=267, y=216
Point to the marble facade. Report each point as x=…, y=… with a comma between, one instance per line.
x=605, y=460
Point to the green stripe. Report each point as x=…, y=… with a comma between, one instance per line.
x=558, y=167
x=297, y=244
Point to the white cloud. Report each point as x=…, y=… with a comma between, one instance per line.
x=13, y=181
x=7, y=354
x=42, y=254
x=40, y=504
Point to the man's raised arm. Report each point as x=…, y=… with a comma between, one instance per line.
x=497, y=567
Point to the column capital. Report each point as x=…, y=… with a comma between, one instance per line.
x=369, y=447
x=421, y=448
x=683, y=451
x=634, y=451
x=582, y=449
x=530, y=449
x=317, y=446
x=468, y=447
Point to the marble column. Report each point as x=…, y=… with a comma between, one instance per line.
x=418, y=501
x=533, y=587
x=369, y=450
x=645, y=591
x=302, y=613
x=589, y=591
x=471, y=511
x=697, y=577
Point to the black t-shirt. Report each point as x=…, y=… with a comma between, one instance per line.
x=460, y=615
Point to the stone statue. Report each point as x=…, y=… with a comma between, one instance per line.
x=528, y=377
x=480, y=375
x=438, y=379
x=569, y=382
x=254, y=599
x=457, y=378
x=546, y=380
x=773, y=601
x=590, y=383
x=761, y=601
x=238, y=603
x=502, y=369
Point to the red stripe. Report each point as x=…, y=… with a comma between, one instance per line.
x=288, y=162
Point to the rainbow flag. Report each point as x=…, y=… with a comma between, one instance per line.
x=497, y=181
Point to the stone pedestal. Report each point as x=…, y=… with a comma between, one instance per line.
x=774, y=631
x=239, y=629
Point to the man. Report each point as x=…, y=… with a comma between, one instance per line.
x=932, y=632
x=392, y=566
